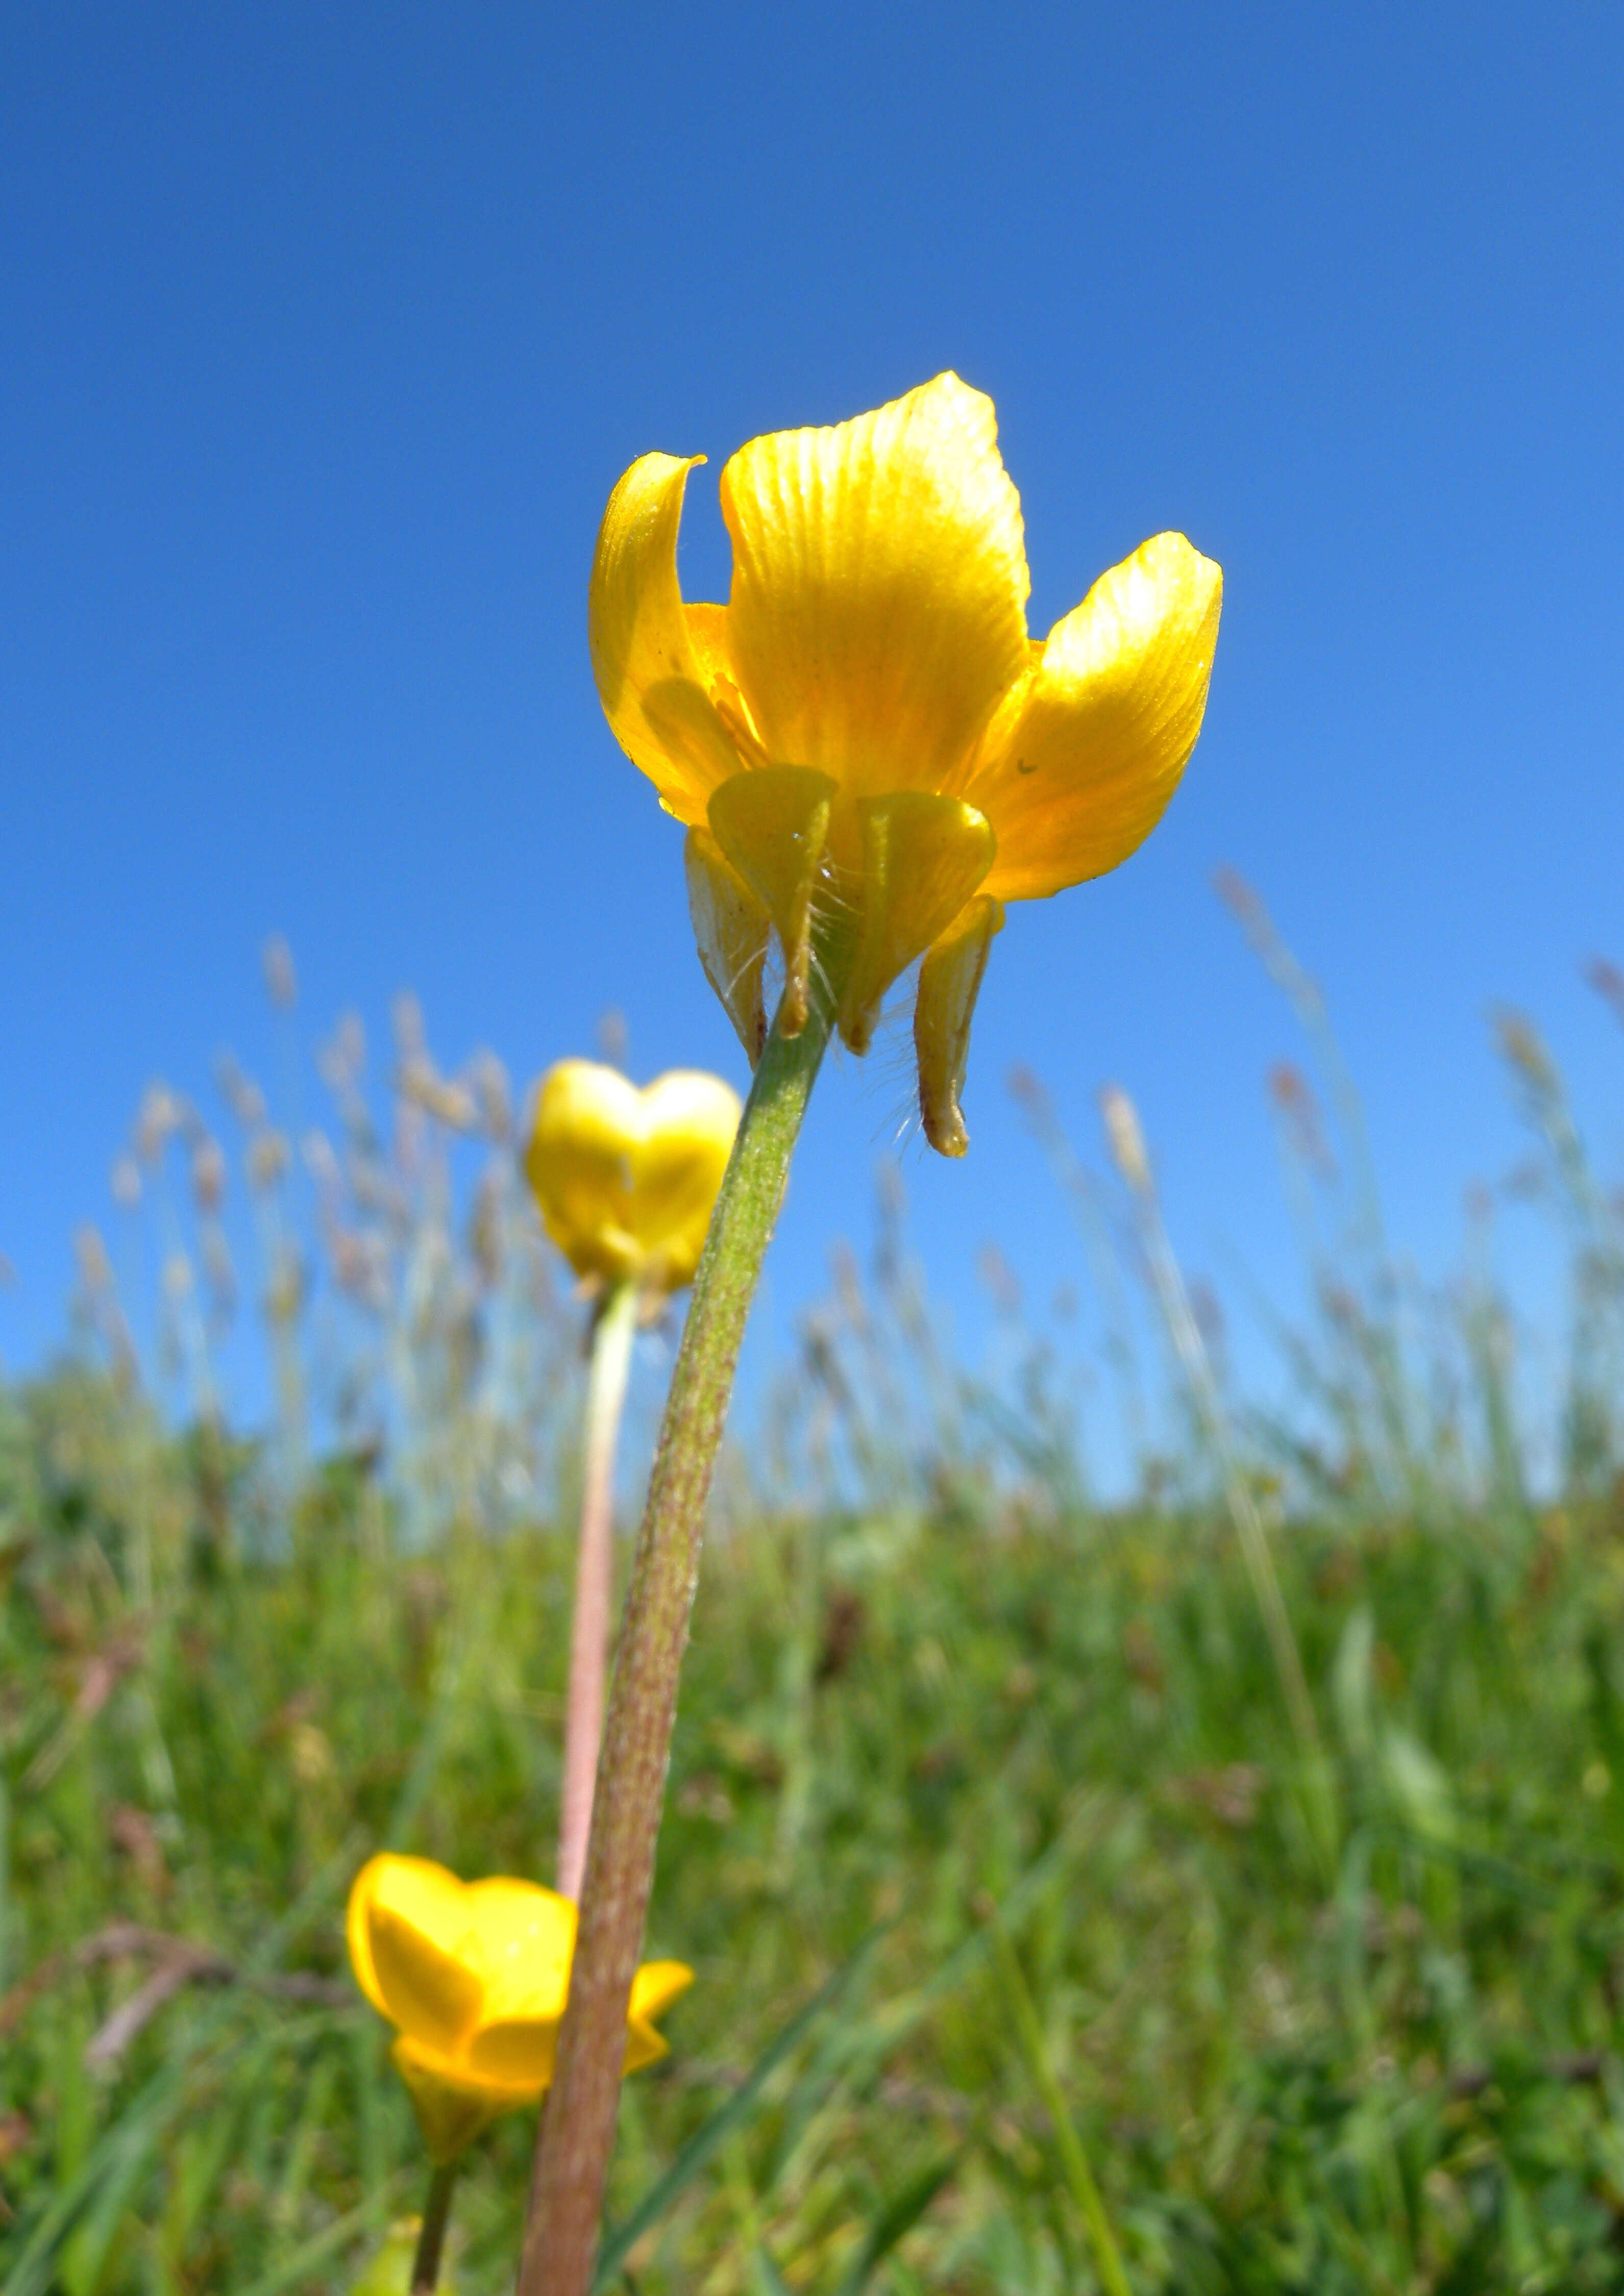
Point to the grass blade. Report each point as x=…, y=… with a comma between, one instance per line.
x=732, y=2116
x=145, y=2118
x=769, y=2280
x=850, y=2063
x=1073, y=2160
x=298, y=2268
x=897, y=2218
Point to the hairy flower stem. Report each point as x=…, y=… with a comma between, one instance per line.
x=594, y=1571
x=577, y=2126
x=431, y=2239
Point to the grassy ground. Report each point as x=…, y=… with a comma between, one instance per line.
x=1345, y=2027
x=1001, y=1868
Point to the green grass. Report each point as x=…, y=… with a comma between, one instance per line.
x=1036, y=1950
x=905, y=1729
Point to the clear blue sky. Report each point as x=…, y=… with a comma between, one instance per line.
x=326, y=331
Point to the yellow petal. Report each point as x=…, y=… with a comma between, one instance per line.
x=516, y=2052
x=526, y=1936
x=771, y=825
x=732, y=929
x=643, y=2046
x=1078, y=771
x=708, y=636
x=450, y=2111
x=626, y=1179
x=587, y=1124
x=432, y=1895
x=652, y=680
x=422, y=1955
x=877, y=613
x=689, y=1123
x=355, y=1916
x=656, y=1985
x=950, y=982
x=922, y=858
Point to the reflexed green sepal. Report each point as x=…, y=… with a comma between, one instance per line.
x=922, y=858
x=732, y=929
x=772, y=823
x=950, y=982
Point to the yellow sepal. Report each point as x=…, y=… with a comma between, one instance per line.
x=950, y=982
x=922, y=858
x=732, y=929
x=771, y=825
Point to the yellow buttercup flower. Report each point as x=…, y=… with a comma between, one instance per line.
x=866, y=732
x=474, y=1975
x=626, y=1179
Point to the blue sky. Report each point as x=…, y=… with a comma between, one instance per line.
x=328, y=330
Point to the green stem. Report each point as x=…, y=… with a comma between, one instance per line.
x=431, y=2239
x=594, y=1571
x=578, y=2126
x=1073, y=2160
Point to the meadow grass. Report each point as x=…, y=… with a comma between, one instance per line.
x=1042, y=1942
x=904, y=1733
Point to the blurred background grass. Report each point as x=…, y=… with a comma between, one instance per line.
x=1328, y=2005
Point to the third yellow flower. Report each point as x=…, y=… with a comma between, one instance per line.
x=474, y=1976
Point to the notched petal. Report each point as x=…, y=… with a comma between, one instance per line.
x=588, y=1121
x=693, y=1120
x=732, y=929
x=922, y=858
x=643, y=2046
x=950, y=982
x=656, y=1985
x=772, y=826
x=877, y=612
x=526, y=1935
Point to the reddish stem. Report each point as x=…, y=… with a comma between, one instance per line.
x=594, y=1571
